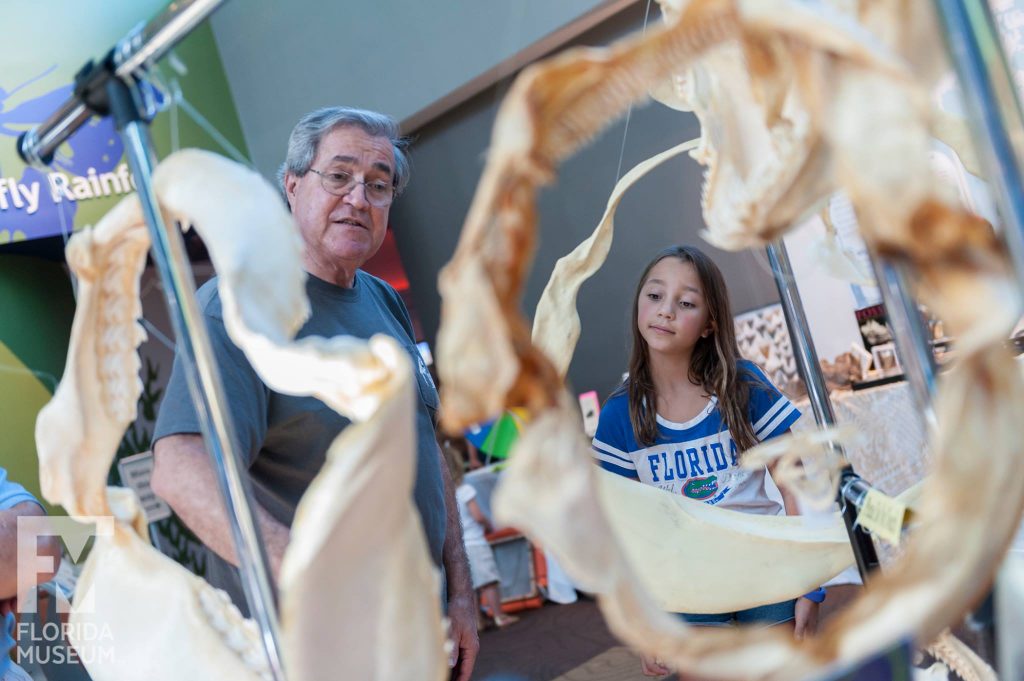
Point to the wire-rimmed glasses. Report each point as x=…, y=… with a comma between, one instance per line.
x=379, y=193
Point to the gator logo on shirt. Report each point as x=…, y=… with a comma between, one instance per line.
x=701, y=488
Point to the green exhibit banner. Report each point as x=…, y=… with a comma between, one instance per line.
x=45, y=44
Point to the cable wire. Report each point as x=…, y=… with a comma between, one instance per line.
x=629, y=112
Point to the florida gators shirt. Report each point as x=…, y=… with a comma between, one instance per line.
x=698, y=459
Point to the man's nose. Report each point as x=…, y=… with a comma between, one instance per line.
x=357, y=196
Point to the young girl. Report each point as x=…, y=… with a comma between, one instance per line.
x=690, y=405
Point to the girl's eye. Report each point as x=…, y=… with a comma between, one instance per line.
x=686, y=303
x=653, y=296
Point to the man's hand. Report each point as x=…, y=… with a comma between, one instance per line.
x=652, y=666
x=461, y=596
x=805, y=617
x=462, y=616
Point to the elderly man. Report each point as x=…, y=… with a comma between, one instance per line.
x=343, y=169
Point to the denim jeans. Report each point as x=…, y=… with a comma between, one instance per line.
x=766, y=615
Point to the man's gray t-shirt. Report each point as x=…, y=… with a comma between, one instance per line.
x=284, y=439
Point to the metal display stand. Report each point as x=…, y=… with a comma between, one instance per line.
x=116, y=87
x=852, y=488
x=911, y=336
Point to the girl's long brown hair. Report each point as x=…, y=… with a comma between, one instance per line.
x=713, y=365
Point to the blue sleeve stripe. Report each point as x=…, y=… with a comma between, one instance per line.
x=614, y=460
x=785, y=418
x=609, y=450
x=778, y=412
x=770, y=415
x=624, y=472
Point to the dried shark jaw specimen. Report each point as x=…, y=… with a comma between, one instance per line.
x=77, y=434
x=766, y=163
x=942, y=572
x=376, y=587
x=103, y=366
x=792, y=113
x=547, y=115
x=484, y=347
x=753, y=170
x=773, y=148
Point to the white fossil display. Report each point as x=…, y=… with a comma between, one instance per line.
x=763, y=337
x=796, y=100
x=352, y=593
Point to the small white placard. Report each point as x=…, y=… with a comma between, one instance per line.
x=591, y=409
x=136, y=470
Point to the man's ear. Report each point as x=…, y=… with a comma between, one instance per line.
x=290, y=181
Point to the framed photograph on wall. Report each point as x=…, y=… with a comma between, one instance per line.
x=591, y=408
x=874, y=326
x=886, y=361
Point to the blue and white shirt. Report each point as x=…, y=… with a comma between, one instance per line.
x=11, y=493
x=698, y=459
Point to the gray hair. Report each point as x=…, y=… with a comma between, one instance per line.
x=311, y=128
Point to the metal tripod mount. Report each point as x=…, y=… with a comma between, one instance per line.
x=116, y=87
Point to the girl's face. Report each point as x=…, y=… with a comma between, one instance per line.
x=671, y=312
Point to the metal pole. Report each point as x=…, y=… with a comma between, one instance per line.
x=817, y=393
x=913, y=342
x=147, y=44
x=141, y=48
x=803, y=347
x=112, y=87
x=207, y=394
x=38, y=144
x=994, y=112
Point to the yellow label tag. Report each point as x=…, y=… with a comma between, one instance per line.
x=882, y=516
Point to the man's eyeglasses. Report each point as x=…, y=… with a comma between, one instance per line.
x=379, y=193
